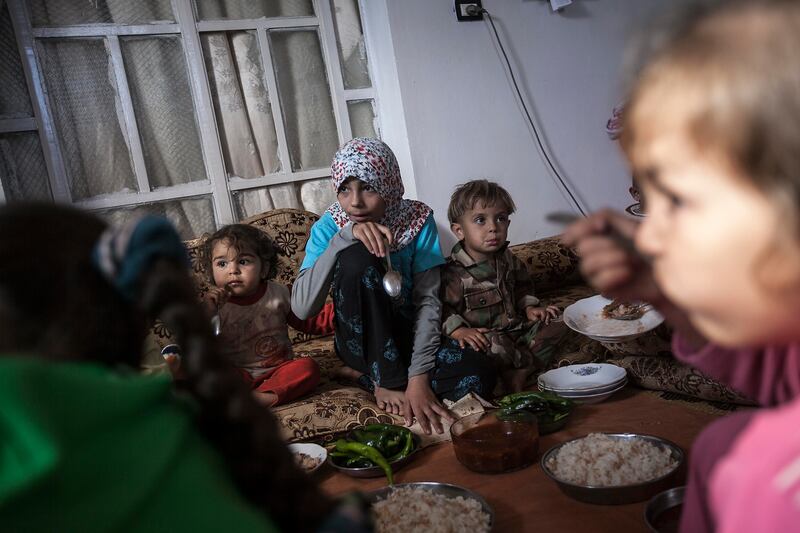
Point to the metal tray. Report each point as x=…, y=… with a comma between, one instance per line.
x=660, y=504
x=624, y=493
x=445, y=489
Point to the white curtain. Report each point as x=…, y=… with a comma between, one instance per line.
x=247, y=128
x=95, y=139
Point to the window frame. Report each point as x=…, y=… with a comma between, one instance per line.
x=218, y=185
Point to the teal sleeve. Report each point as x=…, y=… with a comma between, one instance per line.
x=321, y=233
x=427, y=251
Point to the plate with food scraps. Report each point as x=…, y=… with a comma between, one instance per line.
x=436, y=507
x=309, y=457
x=602, y=319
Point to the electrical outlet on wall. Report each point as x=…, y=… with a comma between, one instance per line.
x=469, y=10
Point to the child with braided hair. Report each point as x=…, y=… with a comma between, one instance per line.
x=101, y=446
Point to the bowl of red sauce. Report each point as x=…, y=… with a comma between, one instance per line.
x=492, y=444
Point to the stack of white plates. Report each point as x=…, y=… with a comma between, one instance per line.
x=586, y=317
x=590, y=383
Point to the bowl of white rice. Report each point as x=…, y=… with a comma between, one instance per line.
x=431, y=507
x=614, y=468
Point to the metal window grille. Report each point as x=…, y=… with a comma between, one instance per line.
x=133, y=108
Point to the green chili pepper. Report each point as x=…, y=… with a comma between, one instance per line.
x=527, y=395
x=381, y=427
x=387, y=438
x=409, y=445
x=510, y=415
x=367, y=452
x=512, y=398
x=347, y=459
x=370, y=438
x=534, y=404
x=548, y=407
x=393, y=445
x=336, y=453
x=358, y=462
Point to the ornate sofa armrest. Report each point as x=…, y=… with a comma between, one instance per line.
x=552, y=265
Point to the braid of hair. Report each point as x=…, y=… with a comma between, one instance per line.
x=244, y=432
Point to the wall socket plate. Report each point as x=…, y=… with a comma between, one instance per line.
x=461, y=10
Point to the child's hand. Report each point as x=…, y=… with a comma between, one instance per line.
x=535, y=314
x=424, y=406
x=374, y=237
x=215, y=298
x=473, y=336
x=621, y=273
x=615, y=270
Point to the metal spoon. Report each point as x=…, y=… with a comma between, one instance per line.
x=562, y=217
x=565, y=219
x=392, y=280
x=216, y=324
x=216, y=321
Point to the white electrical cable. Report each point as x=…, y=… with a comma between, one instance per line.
x=574, y=196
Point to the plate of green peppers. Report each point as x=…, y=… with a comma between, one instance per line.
x=374, y=450
x=551, y=410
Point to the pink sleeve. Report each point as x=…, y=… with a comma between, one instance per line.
x=756, y=486
x=770, y=375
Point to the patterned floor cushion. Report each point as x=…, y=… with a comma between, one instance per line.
x=331, y=410
x=669, y=375
x=321, y=349
x=552, y=265
x=335, y=406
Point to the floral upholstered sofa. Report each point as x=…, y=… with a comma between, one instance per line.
x=335, y=407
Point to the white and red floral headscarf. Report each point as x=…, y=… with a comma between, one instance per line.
x=374, y=163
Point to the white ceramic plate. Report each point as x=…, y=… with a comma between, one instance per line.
x=585, y=392
x=586, y=317
x=592, y=398
x=582, y=378
x=314, y=450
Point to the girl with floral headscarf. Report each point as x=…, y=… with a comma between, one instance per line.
x=390, y=346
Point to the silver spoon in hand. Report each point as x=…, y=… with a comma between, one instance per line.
x=565, y=219
x=216, y=325
x=392, y=280
x=216, y=321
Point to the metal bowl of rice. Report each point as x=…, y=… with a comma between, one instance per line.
x=614, y=468
x=431, y=507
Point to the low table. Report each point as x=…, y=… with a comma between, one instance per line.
x=527, y=500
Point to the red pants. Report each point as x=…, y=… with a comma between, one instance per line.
x=289, y=380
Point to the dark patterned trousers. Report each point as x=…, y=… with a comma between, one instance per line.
x=375, y=338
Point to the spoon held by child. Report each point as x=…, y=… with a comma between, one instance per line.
x=392, y=281
x=563, y=218
x=216, y=321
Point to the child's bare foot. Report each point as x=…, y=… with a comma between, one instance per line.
x=266, y=398
x=347, y=373
x=391, y=401
x=515, y=379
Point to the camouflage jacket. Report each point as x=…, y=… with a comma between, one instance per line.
x=492, y=294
